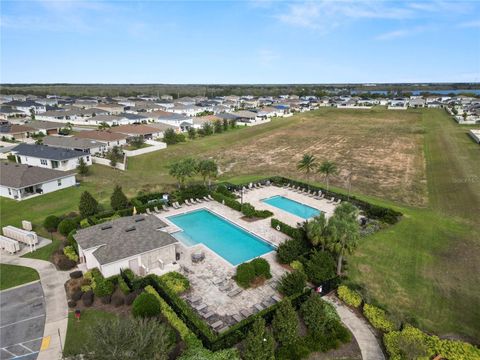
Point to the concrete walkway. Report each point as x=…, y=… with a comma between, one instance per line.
x=365, y=337
x=56, y=307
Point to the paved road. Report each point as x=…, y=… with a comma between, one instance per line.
x=365, y=337
x=22, y=320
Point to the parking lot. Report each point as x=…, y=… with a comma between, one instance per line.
x=22, y=320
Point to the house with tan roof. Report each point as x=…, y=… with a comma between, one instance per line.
x=110, y=137
x=134, y=130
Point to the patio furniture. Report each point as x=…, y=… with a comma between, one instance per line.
x=218, y=281
x=288, y=185
x=195, y=299
x=206, y=199
x=237, y=318
x=179, y=205
x=197, y=257
x=208, y=315
x=210, y=197
x=276, y=298
x=266, y=304
x=225, y=287
x=192, y=201
x=258, y=307
x=149, y=212
x=338, y=201
x=217, y=324
x=246, y=312
x=156, y=210
x=200, y=307
x=199, y=200
x=235, y=292
x=187, y=202
x=223, y=329
x=332, y=200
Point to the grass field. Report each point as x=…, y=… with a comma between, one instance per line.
x=417, y=161
x=14, y=275
x=77, y=331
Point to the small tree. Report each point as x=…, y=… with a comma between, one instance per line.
x=259, y=343
x=308, y=164
x=82, y=167
x=146, y=305
x=137, y=142
x=218, y=126
x=182, y=170
x=51, y=223
x=233, y=123
x=114, y=155
x=245, y=274
x=103, y=125
x=328, y=168
x=32, y=113
x=192, y=133
x=118, y=200
x=320, y=267
x=292, y=283
x=285, y=324
x=207, y=169
x=88, y=205
x=169, y=137
x=66, y=226
x=207, y=129
x=225, y=124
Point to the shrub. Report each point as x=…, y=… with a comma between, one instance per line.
x=262, y=267
x=222, y=189
x=297, y=350
x=76, y=274
x=66, y=226
x=248, y=210
x=292, y=283
x=297, y=265
x=84, y=223
x=285, y=324
x=77, y=295
x=65, y=263
x=413, y=343
x=72, y=304
x=70, y=253
x=291, y=250
x=122, y=285
x=378, y=318
x=320, y=267
x=231, y=203
x=176, y=282
x=87, y=298
x=259, y=343
x=128, y=275
x=192, y=191
x=103, y=288
x=85, y=288
x=286, y=229
x=349, y=297
x=117, y=300
x=129, y=298
x=245, y=274
x=146, y=305
x=51, y=223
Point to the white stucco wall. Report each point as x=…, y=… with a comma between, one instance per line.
x=63, y=165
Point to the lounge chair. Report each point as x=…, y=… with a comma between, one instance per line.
x=157, y=210
x=331, y=201
x=179, y=205
x=206, y=199
x=217, y=324
x=218, y=281
x=208, y=315
x=237, y=317
x=199, y=201
x=149, y=212
x=276, y=298
x=187, y=202
x=200, y=307
x=225, y=287
x=338, y=201
x=259, y=307
x=194, y=299
x=192, y=202
x=210, y=197
x=246, y=312
x=288, y=185
x=234, y=292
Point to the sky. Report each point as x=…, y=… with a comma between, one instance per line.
x=239, y=42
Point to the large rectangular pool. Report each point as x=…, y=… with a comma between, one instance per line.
x=228, y=240
x=292, y=206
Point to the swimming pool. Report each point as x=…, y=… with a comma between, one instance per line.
x=228, y=240
x=292, y=206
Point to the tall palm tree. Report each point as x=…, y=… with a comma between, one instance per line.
x=317, y=231
x=308, y=164
x=208, y=169
x=328, y=168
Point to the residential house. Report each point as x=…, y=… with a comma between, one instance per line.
x=109, y=137
x=199, y=121
x=134, y=130
x=88, y=146
x=138, y=242
x=27, y=106
x=111, y=108
x=44, y=127
x=20, y=181
x=50, y=157
x=16, y=132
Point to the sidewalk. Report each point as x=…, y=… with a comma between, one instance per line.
x=366, y=339
x=55, y=303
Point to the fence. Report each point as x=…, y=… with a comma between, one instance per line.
x=103, y=161
x=154, y=146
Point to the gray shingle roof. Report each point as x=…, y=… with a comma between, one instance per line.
x=116, y=243
x=18, y=176
x=47, y=152
x=72, y=142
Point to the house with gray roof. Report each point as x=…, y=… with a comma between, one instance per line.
x=88, y=146
x=19, y=181
x=50, y=157
x=137, y=242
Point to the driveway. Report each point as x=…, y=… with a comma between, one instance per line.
x=22, y=321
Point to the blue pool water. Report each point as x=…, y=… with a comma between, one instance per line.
x=292, y=206
x=223, y=237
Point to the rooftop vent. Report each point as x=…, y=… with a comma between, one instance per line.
x=105, y=227
x=139, y=218
x=131, y=228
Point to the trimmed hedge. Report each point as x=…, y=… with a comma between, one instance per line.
x=426, y=346
x=231, y=203
x=294, y=233
x=349, y=297
x=146, y=305
x=245, y=274
x=262, y=267
x=122, y=285
x=378, y=318
x=70, y=253
x=176, y=281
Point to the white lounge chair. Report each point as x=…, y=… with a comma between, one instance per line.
x=338, y=201
x=187, y=202
x=206, y=199
x=192, y=201
x=157, y=210
x=165, y=207
x=210, y=197
x=149, y=212
x=198, y=200
x=332, y=200
x=179, y=206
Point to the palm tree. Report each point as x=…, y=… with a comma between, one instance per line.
x=208, y=169
x=343, y=232
x=182, y=170
x=103, y=125
x=308, y=164
x=317, y=231
x=328, y=168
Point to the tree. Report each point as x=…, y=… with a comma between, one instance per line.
x=343, y=231
x=169, y=137
x=32, y=113
x=233, y=123
x=82, y=167
x=218, y=126
x=66, y=226
x=225, y=124
x=192, y=133
x=118, y=200
x=207, y=129
x=137, y=142
x=182, y=170
x=259, y=343
x=51, y=223
x=146, y=305
x=207, y=169
x=320, y=267
x=317, y=230
x=285, y=324
x=128, y=338
x=114, y=155
x=103, y=126
x=308, y=164
x=292, y=283
x=88, y=205
x=328, y=168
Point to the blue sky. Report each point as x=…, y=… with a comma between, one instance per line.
x=258, y=41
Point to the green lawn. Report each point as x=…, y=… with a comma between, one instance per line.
x=426, y=267
x=77, y=331
x=13, y=275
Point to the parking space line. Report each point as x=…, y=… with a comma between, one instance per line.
x=22, y=356
x=31, y=351
x=9, y=351
x=17, y=322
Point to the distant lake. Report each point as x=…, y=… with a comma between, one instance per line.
x=419, y=92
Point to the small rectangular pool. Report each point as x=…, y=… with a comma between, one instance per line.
x=228, y=240
x=292, y=206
